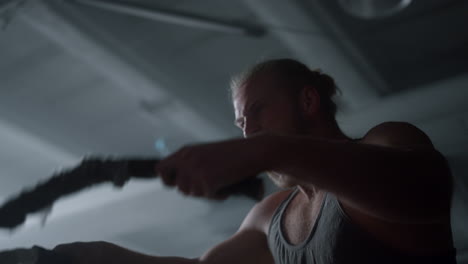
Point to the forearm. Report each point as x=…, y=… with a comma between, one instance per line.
x=145, y=259
x=330, y=164
x=122, y=255
x=368, y=175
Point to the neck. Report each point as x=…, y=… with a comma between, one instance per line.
x=327, y=129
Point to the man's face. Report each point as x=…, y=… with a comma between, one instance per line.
x=262, y=106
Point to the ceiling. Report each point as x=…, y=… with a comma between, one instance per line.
x=78, y=79
x=421, y=45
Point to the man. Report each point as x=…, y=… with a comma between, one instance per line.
x=384, y=198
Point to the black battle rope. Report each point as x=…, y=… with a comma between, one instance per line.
x=34, y=255
x=90, y=172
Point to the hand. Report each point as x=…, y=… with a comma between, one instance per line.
x=87, y=252
x=203, y=170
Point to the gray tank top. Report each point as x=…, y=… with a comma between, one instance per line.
x=335, y=239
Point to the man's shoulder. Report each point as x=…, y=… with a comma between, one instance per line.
x=397, y=134
x=260, y=215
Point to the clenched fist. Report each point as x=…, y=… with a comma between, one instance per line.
x=203, y=170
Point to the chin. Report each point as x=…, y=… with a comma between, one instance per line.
x=280, y=180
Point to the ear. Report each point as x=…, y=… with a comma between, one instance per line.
x=309, y=100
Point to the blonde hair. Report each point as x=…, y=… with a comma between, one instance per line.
x=295, y=75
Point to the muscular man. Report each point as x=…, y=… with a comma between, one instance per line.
x=383, y=198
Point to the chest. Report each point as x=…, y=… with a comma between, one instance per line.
x=299, y=219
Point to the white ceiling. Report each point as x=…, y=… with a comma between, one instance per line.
x=77, y=80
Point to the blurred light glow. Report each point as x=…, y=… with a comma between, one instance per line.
x=372, y=9
x=161, y=146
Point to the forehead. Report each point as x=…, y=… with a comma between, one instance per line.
x=261, y=88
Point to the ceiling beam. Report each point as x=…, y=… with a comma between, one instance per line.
x=174, y=17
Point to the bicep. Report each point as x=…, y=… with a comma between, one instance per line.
x=246, y=246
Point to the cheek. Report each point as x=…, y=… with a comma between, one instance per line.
x=278, y=120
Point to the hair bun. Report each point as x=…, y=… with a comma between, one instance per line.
x=325, y=83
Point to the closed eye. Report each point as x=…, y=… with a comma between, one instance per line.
x=252, y=110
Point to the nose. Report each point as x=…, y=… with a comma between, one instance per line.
x=251, y=126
